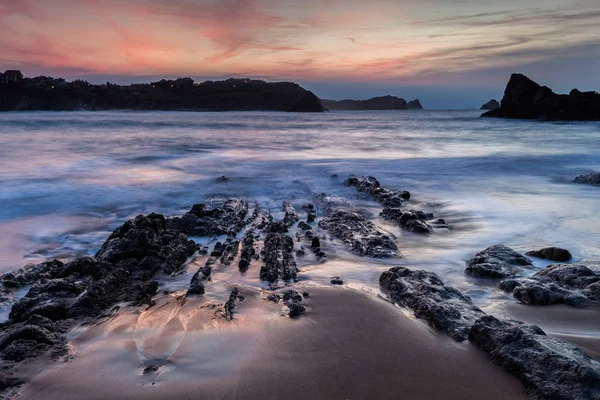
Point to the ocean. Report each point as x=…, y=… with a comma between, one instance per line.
x=68, y=178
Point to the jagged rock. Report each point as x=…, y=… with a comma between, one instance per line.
x=360, y=234
x=336, y=280
x=572, y=284
x=549, y=368
x=278, y=258
x=31, y=273
x=497, y=261
x=411, y=220
x=330, y=203
x=490, y=105
x=304, y=226
x=311, y=213
x=230, y=252
x=201, y=276
x=444, y=307
x=212, y=219
x=290, y=302
x=230, y=304
x=525, y=99
x=248, y=252
x=277, y=227
x=551, y=253
x=144, y=245
x=371, y=185
x=590, y=179
x=316, y=248
x=291, y=217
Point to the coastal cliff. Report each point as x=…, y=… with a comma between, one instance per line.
x=180, y=94
x=526, y=99
x=375, y=103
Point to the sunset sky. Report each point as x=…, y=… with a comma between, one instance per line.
x=449, y=53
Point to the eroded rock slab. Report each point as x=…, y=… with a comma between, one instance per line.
x=215, y=218
x=572, y=284
x=411, y=220
x=360, y=234
x=423, y=292
x=497, y=261
x=549, y=368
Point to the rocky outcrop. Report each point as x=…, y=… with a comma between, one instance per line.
x=375, y=103
x=64, y=295
x=497, y=261
x=444, y=307
x=360, y=234
x=290, y=217
x=551, y=253
x=549, y=368
x=589, y=179
x=216, y=218
x=278, y=258
x=371, y=186
x=525, y=99
x=145, y=245
x=201, y=276
x=228, y=95
x=394, y=203
x=490, y=105
x=572, y=284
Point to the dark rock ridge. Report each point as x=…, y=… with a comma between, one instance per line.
x=525, y=99
x=551, y=253
x=589, y=179
x=65, y=295
x=375, y=103
x=183, y=94
x=394, y=203
x=497, y=261
x=216, y=218
x=490, y=105
x=201, y=276
x=572, y=284
x=423, y=292
x=278, y=258
x=549, y=368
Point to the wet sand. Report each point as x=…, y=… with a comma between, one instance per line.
x=580, y=326
x=348, y=345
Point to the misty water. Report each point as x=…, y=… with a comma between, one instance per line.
x=67, y=179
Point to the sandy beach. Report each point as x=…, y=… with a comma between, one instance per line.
x=348, y=345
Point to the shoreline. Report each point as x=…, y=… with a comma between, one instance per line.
x=320, y=355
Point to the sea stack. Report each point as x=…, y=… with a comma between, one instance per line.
x=490, y=105
x=525, y=99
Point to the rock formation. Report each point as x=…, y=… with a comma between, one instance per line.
x=551, y=253
x=589, y=179
x=497, y=261
x=525, y=99
x=375, y=103
x=490, y=105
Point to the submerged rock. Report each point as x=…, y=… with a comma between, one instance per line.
x=551, y=253
x=497, y=261
x=572, y=284
x=278, y=258
x=590, y=179
x=336, y=280
x=213, y=219
x=364, y=237
x=444, y=307
x=549, y=368
x=411, y=220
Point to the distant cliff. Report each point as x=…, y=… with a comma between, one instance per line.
x=525, y=99
x=180, y=94
x=375, y=103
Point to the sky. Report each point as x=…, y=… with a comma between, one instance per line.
x=448, y=53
